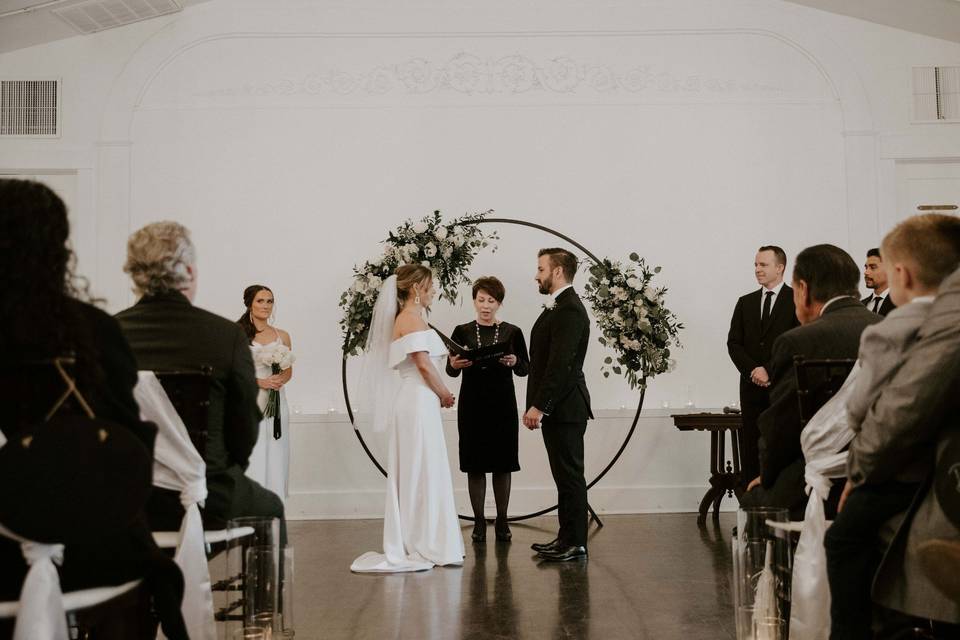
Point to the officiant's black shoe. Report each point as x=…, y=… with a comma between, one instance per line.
x=479, y=532
x=502, y=530
x=565, y=554
x=553, y=545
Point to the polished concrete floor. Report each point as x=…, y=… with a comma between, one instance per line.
x=648, y=576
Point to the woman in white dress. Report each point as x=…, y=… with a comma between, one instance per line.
x=270, y=458
x=403, y=364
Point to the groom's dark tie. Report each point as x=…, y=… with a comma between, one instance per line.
x=876, y=304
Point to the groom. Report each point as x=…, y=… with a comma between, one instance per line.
x=558, y=399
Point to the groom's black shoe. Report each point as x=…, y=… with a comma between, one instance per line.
x=564, y=554
x=553, y=545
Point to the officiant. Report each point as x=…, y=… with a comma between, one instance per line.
x=487, y=419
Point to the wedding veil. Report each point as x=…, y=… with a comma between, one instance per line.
x=380, y=380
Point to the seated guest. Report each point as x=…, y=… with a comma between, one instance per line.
x=45, y=317
x=825, y=295
x=918, y=255
x=166, y=332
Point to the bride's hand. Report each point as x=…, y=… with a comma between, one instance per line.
x=270, y=383
x=447, y=401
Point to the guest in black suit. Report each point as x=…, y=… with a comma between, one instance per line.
x=875, y=277
x=166, y=332
x=758, y=319
x=45, y=318
x=825, y=294
x=558, y=399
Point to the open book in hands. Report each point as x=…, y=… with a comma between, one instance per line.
x=483, y=354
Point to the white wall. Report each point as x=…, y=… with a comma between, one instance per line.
x=290, y=136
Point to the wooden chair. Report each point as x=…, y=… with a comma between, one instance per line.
x=817, y=381
x=189, y=392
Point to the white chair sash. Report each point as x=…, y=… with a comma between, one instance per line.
x=822, y=440
x=178, y=466
x=41, y=615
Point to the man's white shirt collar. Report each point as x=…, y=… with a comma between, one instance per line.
x=776, y=290
x=560, y=290
x=831, y=301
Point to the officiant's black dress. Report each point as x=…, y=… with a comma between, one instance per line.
x=487, y=419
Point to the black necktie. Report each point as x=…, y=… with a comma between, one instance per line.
x=876, y=304
x=766, y=308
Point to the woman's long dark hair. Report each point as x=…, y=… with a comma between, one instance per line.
x=249, y=295
x=38, y=283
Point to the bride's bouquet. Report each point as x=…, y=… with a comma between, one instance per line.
x=279, y=358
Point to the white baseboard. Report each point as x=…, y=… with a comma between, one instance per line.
x=352, y=504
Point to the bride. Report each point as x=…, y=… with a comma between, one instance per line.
x=420, y=527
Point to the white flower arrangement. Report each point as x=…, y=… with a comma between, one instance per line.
x=633, y=320
x=279, y=358
x=447, y=248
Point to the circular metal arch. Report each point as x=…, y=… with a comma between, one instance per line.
x=626, y=440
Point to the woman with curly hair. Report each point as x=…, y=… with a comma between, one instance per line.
x=47, y=315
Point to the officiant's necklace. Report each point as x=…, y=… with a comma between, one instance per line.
x=496, y=333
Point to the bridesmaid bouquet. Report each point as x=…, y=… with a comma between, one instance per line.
x=279, y=358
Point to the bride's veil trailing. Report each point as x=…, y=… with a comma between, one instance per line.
x=380, y=380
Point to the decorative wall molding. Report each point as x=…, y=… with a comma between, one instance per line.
x=472, y=74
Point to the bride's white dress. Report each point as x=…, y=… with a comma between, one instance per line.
x=270, y=458
x=420, y=526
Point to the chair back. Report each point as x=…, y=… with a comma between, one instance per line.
x=817, y=381
x=189, y=393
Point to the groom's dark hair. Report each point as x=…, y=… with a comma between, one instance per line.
x=563, y=259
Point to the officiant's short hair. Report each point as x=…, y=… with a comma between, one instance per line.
x=491, y=286
x=563, y=259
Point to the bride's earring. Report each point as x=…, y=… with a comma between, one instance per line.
x=417, y=299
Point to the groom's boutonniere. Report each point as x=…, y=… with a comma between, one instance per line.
x=548, y=305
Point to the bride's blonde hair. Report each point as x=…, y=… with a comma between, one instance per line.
x=408, y=276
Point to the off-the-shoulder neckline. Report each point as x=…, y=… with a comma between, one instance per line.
x=412, y=333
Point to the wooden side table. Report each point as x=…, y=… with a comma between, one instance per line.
x=724, y=473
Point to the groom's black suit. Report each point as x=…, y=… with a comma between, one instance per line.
x=556, y=386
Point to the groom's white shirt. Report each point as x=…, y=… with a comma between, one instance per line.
x=559, y=291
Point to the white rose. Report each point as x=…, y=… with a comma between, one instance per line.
x=430, y=250
x=360, y=285
x=425, y=263
x=374, y=281
x=634, y=283
x=419, y=227
x=440, y=233
x=649, y=294
x=411, y=249
x=446, y=253
x=458, y=239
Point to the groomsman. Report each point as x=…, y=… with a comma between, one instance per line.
x=875, y=278
x=758, y=319
x=558, y=399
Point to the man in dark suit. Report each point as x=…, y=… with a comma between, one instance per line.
x=825, y=294
x=166, y=332
x=558, y=399
x=758, y=319
x=875, y=277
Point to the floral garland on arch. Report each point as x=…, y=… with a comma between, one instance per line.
x=447, y=248
x=633, y=320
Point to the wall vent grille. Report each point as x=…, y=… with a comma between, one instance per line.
x=96, y=15
x=936, y=94
x=30, y=108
